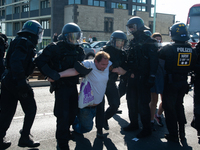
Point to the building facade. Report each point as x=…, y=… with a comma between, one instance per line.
x=95, y=17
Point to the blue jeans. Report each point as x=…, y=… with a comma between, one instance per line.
x=84, y=120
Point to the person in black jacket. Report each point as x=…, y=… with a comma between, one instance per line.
x=118, y=58
x=142, y=67
x=14, y=86
x=179, y=58
x=196, y=119
x=3, y=47
x=57, y=57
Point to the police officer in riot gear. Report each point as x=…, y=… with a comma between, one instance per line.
x=142, y=65
x=14, y=87
x=196, y=119
x=3, y=47
x=57, y=57
x=118, y=58
x=179, y=59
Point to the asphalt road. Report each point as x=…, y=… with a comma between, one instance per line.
x=44, y=128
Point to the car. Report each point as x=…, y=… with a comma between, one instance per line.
x=89, y=51
x=97, y=45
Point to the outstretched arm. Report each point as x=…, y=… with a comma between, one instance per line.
x=66, y=73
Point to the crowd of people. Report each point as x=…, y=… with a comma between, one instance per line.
x=146, y=71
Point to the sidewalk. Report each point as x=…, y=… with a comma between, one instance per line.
x=34, y=82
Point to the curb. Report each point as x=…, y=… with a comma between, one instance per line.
x=38, y=83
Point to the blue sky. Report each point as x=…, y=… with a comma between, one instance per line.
x=179, y=8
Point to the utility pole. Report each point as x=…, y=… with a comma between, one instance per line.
x=154, y=17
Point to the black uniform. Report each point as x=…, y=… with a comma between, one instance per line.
x=2, y=52
x=196, y=120
x=55, y=58
x=179, y=58
x=14, y=84
x=118, y=59
x=143, y=63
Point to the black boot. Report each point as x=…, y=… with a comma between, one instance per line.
x=171, y=138
x=105, y=124
x=26, y=141
x=4, y=144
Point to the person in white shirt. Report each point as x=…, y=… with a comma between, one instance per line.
x=98, y=78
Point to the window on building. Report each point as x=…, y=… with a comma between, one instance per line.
x=152, y=11
x=144, y=1
x=133, y=9
x=25, y=8
x=121, y=6
x=46, y=24
x=90, y=2
x=124, y=6
x=16, y=0
x=143, y=8
x=139, y=1
x=3, y=2
x=113, y=5
x=102, y=4
x=124, y=0
x=3, y=12
x=134, y=1
x=45, y=4
x=118, y=5
x=96, y=3
x=17, y=10
x=17, y=26
x=108, y=24
x=139, y=8
x=74, y=2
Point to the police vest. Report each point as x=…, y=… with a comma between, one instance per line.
x=64, y=56
x=178, y=58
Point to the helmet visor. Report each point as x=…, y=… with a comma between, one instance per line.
x=74, y=38
x=40, y=35
x=131, y=29
x=119, y=44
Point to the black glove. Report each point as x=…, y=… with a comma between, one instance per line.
x=151, y=81
x=23, y=89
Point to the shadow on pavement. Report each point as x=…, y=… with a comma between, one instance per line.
x=155, y=141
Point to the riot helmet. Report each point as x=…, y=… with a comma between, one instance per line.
x=71, y=33
x=147, y=32
x=178, y=32
x=135, y=24
x=33, y=27
x=118, y=39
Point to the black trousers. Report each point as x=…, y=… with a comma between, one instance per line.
x=65, y=110
x=197, y=103
x=172, y=103
x=9, y=100
x=113, y=98
x=138, y=99
x=100, y=115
